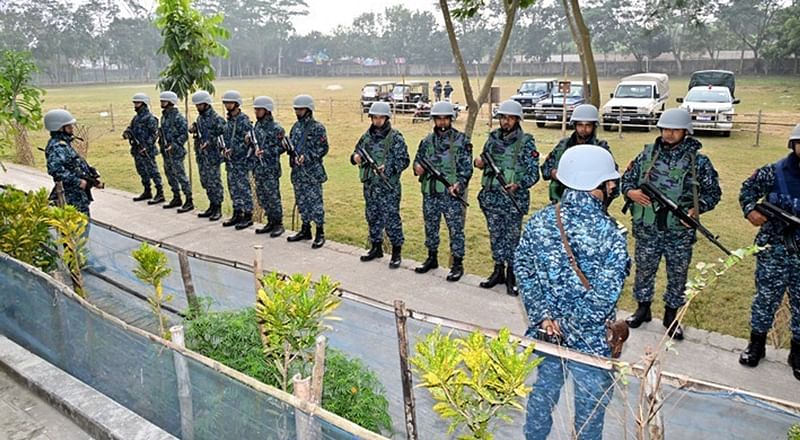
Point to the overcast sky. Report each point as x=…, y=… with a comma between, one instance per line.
x=325, y=15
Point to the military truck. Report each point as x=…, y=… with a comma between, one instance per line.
x=375, y=91
x=638, y=100
x=710, y=101
x=405, y=96
x=532, y=91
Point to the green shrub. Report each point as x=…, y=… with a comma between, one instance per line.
x=24, y=232
x=794, y=432
x=350, y=390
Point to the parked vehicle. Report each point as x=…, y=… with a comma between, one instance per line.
x=724, y=78
x=711, y=107
x=532, y=91
x=638, y=100
x=551, y=109
x=375, y=91
x=405, y=96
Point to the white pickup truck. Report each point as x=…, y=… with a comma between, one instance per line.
x=638, y=100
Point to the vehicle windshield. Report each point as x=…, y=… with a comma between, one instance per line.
x=399, y=90
x=705, y=95
x=574, y=92
x=534, y=88
x=634, y=91
x=369, y=91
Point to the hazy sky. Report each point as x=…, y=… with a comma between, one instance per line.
x=324, y=15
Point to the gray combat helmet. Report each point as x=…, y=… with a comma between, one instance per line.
x=511, y=108
x=380, y=109
x=141, y=97
x=676, y=118
x=170, y=97
x=56, y=119
x=264, y=102
x=585, y=113
x=794, y=135
x=443, y=108
x=201, y=97
x=232, y=96
x=303, y=101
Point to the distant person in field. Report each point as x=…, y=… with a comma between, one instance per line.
x=172, y=139
x=448, y=90
x=207, y=129
x=237, y=161
x=778, y=266
x=437, y=91
x=387, y=148
x=267, y=147
x=142, y=134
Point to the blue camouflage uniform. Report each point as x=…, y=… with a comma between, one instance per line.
x=556, y=188
x=144, y=127
x=777, y=269
x=679, y=172
x=207, y=151
x=66, y=166
x=516, y=156
x=267, y=167
x=310, y=140
x=551, y=289
x=382, y=201
x=451, y=153
x=174, y=134
x=237, y=162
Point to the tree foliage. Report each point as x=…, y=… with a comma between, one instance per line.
x=70, y=226
x=24, y=231
x=20, y=102
x=152, y=268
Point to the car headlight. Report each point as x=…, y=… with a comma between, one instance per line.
x=643, y=110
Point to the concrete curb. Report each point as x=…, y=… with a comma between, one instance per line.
x=95, y=413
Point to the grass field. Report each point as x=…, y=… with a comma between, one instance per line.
x=726, y=309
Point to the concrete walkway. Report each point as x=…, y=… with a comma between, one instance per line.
x=704, y=355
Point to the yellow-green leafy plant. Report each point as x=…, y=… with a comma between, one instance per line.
x=70, y=226
x=475, y=379
x=152, y=268
x=794, y=432
x=24, y=229
x=291, y=312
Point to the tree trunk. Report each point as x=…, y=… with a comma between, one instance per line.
x=588, y=61
x=24, y=153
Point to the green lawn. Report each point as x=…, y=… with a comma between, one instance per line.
x=726, y=309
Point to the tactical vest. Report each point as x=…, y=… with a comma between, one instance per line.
x=670, y=181
x=379, y=152
x=444, y=161
x=507, y=159
x=785, y=191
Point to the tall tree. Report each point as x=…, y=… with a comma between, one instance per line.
x=583, y=41
x=751, y=21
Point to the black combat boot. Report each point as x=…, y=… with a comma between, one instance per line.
x=431, y=263
x=497, y=277
x=216, y=214
x=457, y=270
x=641, y=315
x=187, y=206
x=176, y=202
x=511, y=281
x=394, y=263
x=266, y=229
x=159, y=198
x=237, y=215
x=207, y=213
x=674, y=329
x=319, y=238
x=277, y=230
x=146, y=195
x=794, y=358
x=303, y=234
x=755, y=351
x=245, y=221
x=376, y=251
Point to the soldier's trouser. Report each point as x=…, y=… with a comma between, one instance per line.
x=176, y=174
x=308, y=197
x=776, y=272
x=676, y=248
x=268, y=191
x=503, y=221
x=147, y=169
x=211, y=179
x=239, y=185
x=593, y=389
x=434, y=206
x=382, y=210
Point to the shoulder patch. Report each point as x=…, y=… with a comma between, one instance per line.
x=535, y=154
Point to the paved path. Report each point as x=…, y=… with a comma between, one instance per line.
x=704, y=355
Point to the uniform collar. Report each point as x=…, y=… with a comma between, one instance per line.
x=689, y=144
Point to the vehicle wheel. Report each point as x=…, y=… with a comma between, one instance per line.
x=726, y=134
x=606, y=127
x=540, y=124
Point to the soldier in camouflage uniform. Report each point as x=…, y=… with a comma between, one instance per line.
x=388, y=149
x=585, y=119
x=172, y=140
x=307, y=147
x=237, y=161
x=778, y=266
x=142, y=134
x=267, y=147
x=674, y=166
x=207, y=129
x=514, y=153
x=450, y=152
x=562, y=307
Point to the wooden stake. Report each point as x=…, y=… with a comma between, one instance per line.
x=188, y=284
x=184, y=385
x=400, y=316
x=305, y=425
x=318, y=373
x=758, y=130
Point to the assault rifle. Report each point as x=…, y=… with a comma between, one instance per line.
x=373, y=165
x=489, y=161
x=791, y=224
x=437, y=175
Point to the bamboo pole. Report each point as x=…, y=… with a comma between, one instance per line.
x=188, y=284
x=401, y=315
x=184, y=385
